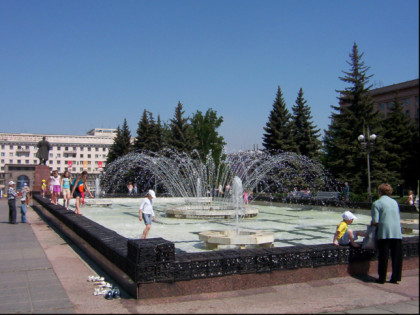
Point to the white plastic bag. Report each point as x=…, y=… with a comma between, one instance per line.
x=369, y=242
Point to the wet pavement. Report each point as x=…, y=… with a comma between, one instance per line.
x=43, y=272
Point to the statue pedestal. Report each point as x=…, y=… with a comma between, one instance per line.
x=41, y=172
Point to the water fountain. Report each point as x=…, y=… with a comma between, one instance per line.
x=212, y=239
x=187, y=176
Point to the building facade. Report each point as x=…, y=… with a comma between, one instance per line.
x=406, y=92
x=69, y=152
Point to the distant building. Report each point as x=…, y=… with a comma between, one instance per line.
x=406, y=92
x=69, y=152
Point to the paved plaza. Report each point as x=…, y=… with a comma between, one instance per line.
x=42, y=272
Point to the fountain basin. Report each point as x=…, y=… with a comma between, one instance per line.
x=224, y=212
x=98, y=202
x=212, y=239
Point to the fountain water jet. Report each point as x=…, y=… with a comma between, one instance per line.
x=187, y=176
x=212, y=239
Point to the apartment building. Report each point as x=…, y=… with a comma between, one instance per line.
x=69, y=152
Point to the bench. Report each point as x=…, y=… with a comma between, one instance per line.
x=326, y=195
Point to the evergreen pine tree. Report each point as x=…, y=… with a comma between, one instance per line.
x=355, y=115
x=181, y=136
x=304, y=133
x=143, y=132
x=278, y=129
x=401, y=137
x=121, y=145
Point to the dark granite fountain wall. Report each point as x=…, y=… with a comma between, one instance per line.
x=153, y=261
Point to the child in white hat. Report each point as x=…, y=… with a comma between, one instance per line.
x=345, y=236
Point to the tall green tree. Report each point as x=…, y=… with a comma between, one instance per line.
x=144, y=130
x=304, y=133
x=205, y=130
x=278, y=129
x=180, y=135
x=401, y=136
x=355, y=115
x=122, y=143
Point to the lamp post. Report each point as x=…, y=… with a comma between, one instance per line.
x=368, y=144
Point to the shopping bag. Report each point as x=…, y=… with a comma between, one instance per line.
x=369, y=242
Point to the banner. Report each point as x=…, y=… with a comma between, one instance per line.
x=100, y=165
x=85, y=165
x=69, y=164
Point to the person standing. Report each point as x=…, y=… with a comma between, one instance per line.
x=346, y=191
x=65, y=188
x=11, y=199
x=386, y=217
x=79, y=186
x=146, y=212
x=24, y=202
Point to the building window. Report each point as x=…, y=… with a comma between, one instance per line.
x=3, y=154
x=382, y=106
x=58, y=155
x=416, y=100
x=19, y=162
x=10, y=153
x=11, y=146
x=389, y=105
x=89, y=156
x=58, y=148
x=96, y=149
x=89, y=148
x=407, y=102
x=407, y=112
x=27, y=161
x=51, y=155
x=81, y=155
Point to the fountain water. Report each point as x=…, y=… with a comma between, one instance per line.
x=97, y=188
x=182, y=175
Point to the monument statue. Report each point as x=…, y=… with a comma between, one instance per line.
x=43, y=148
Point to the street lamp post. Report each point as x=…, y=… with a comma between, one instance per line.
x=368, y=144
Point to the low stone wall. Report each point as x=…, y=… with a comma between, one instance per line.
x=157, y=271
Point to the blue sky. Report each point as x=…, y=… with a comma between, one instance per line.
x=69, y=66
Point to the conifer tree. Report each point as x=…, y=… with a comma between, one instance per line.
x=122, y=143
x=143, y=132
x=278, y=129
x=304, y=133
x=181, y=136
x=355, y=115
x=401, y=145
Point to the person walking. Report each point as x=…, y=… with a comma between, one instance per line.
x=386, y=217
x=79, y=186
x=65, y=188
x=56, y=183
x=11, y=199
x=146, y=212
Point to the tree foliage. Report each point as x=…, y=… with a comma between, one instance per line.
x=345, y=157
x=121, y=145
x=205, y=128
x=180, y=135
x=304, y=133
x=278, y=129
